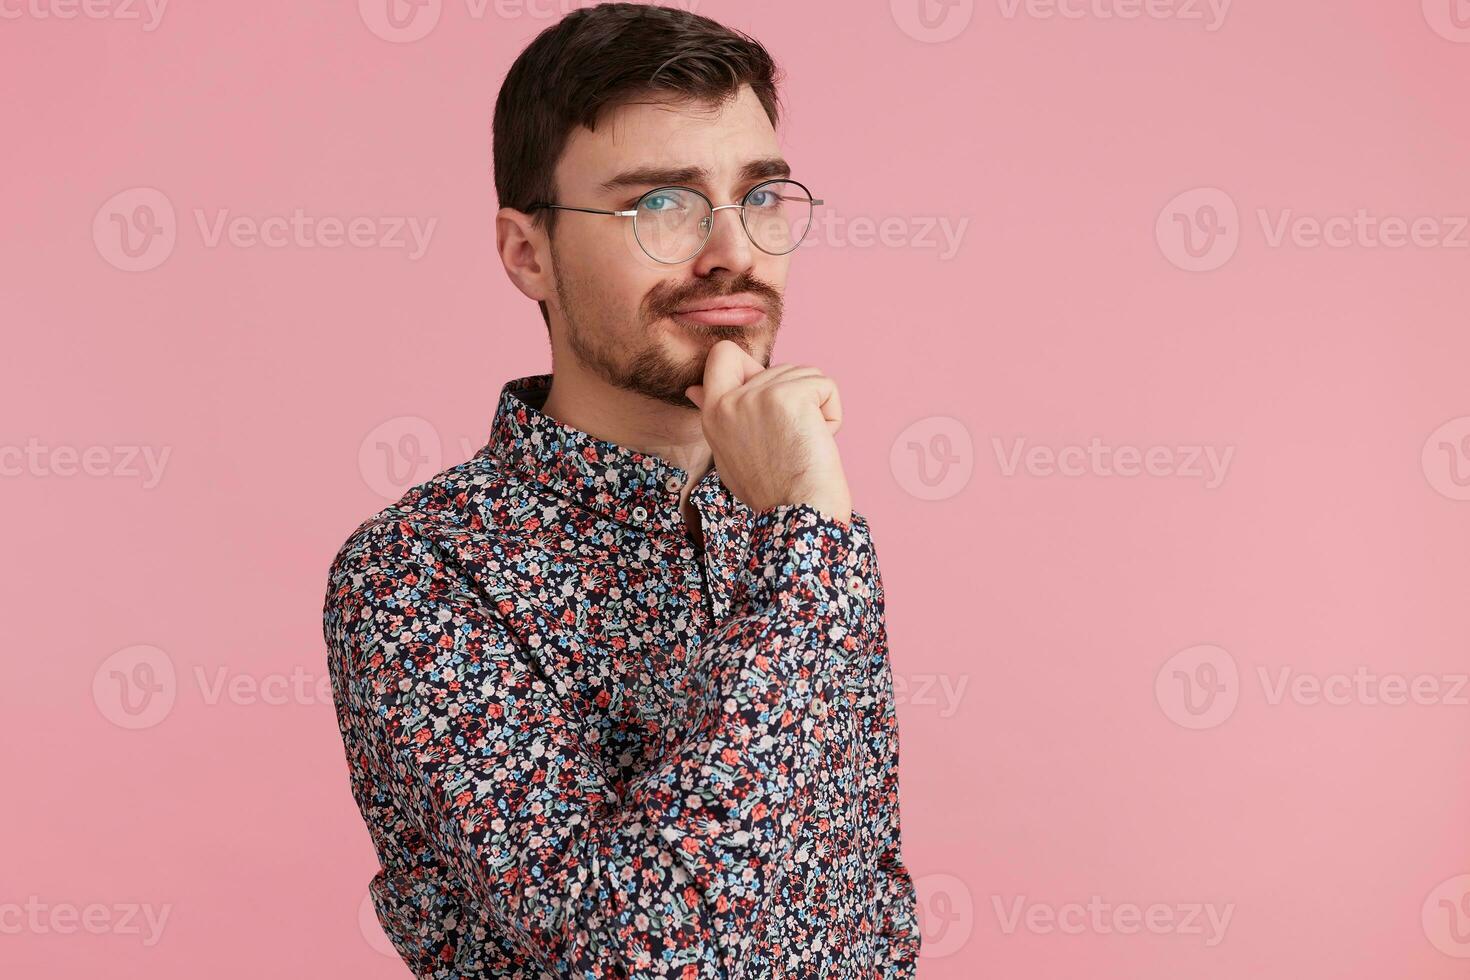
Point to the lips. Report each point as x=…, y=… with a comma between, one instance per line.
x=741, y=310
x=740, y=301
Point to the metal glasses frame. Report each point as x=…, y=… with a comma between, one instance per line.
x=710, y=230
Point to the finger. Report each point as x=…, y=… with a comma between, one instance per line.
x=695, y=393
x=782, y=372
x=726, y=368
x=823, y=392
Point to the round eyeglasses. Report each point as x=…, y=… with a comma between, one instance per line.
x=673, y=224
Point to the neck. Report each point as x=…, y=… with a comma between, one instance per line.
x=585, y=401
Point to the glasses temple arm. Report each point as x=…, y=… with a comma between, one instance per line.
x=564, y=207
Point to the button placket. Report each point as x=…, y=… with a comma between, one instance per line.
x=705, y=563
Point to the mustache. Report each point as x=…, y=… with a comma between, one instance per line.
x=667, y=297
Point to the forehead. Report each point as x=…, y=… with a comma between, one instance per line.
x=719, y=138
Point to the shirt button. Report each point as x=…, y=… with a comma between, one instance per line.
x=639, y=513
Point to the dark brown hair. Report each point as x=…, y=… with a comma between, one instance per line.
x=601, y=57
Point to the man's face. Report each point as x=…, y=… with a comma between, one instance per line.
x=627, y=317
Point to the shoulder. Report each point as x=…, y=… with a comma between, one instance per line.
x=425, y=525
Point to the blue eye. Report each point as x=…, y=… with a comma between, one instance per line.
x=763, y=199
x=660, y=202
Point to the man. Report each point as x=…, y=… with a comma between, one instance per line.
x=615, y=692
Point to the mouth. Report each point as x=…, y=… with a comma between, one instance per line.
x=742, y=310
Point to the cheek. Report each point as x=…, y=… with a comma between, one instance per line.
x=613, y=290
x=774, y=271
x=612, y=270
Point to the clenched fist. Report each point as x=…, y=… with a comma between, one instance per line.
x=771, y=430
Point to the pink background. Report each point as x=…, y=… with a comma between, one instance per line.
x=1089, y=664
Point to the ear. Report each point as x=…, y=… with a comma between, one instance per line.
x=525, y=252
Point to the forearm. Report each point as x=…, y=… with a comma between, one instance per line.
x=896, y=930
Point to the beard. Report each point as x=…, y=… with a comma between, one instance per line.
x=632, y=355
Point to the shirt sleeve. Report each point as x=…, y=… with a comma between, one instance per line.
x=897, y=936
x=470, y=740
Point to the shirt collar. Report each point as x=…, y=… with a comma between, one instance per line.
x=624, y=484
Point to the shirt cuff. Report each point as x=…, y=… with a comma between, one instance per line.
x=795, y=550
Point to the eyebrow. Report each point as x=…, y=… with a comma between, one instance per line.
x=764, y=169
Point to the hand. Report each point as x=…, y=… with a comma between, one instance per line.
x=771, y=430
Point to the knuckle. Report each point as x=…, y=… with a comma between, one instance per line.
x=772, y=395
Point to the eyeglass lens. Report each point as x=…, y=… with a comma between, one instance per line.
x=673, y=223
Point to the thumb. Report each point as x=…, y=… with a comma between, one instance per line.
x=727, y=367
x=695, y=393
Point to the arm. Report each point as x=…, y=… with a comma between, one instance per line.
x=897, y=932
x=478, y=751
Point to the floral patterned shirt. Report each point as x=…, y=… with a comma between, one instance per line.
x=585, y=749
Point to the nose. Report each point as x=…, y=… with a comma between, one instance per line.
x=728, y=246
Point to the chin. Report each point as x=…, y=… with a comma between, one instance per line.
x=690, y=343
